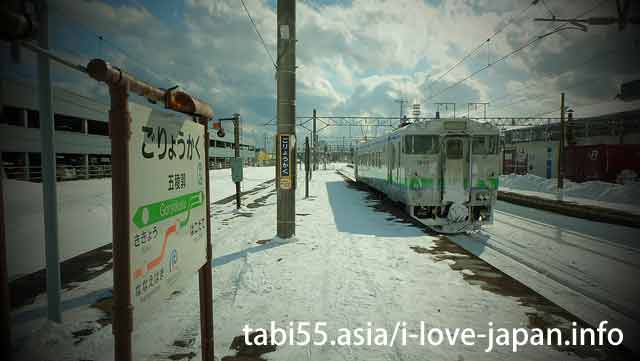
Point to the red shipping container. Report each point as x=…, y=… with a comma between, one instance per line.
x=600, y=162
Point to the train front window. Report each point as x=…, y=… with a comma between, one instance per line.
x=454, y=149
x=484, y=144
x=420, y=144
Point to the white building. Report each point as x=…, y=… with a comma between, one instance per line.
x=83, y=148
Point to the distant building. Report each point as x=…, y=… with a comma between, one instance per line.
x=534, y=149
x=83, y=148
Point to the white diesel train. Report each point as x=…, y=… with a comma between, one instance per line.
x=444, y=171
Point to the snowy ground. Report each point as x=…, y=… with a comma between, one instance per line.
x=352, y=262
x=595, y=193
x=84, y=212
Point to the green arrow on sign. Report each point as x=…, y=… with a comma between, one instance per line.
x=159, y=211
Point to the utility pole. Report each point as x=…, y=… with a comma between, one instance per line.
x=306, y=167
x=286, y=108
x=236, y=138
x=314, y=143
x=50, y=199
x=402, y=103
x=561, y=150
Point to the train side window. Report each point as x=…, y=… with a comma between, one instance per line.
x=421, y=144
x=485, y=144
x=454, y=149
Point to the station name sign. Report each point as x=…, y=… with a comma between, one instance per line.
x=286, y=143
x=167, y=190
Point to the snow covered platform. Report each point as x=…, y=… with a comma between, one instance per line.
x=355, y=262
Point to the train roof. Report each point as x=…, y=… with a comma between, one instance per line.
x=445, y=126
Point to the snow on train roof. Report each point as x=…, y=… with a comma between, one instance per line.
x=438, y=126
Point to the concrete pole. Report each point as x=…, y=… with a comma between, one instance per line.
x=286, y=78
x=561, y=150
x=50, y=202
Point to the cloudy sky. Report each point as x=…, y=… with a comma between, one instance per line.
x=354, y=57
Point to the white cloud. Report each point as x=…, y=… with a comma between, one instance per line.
x=353, y=58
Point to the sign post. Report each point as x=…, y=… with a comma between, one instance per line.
x=160, y=201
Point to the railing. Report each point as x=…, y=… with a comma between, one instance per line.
x=68, y=172
x=63, y=172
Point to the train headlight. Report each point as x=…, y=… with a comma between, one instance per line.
x=482, y=196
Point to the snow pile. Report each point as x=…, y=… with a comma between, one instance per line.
x=593, y=190
x=84, y=215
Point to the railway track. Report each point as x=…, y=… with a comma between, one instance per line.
x=591, y=277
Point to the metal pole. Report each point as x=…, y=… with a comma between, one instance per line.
x=306, y=167
x=286, y=75
x=310, y=156
x=50, y=200
x=236, y=138
x=205, y=276
x=561, y=150
x=178, y=101
x=119, y=125
x=314, y=143
x=5, y=299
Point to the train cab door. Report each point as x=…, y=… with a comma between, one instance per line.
x=455, y=170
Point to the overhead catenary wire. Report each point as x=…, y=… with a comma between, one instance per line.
x=530, y=98
x=474, y=50
x=255, y=27
x=104, y=40
x=513, y=52
x=547, y=112
x=513, y=93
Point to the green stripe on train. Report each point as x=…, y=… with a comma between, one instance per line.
x=418, y=183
